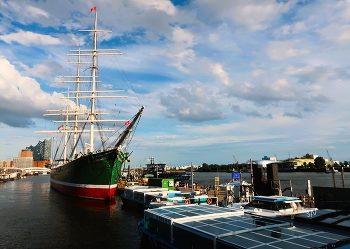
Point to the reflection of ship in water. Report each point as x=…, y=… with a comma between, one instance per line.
x=158, y=170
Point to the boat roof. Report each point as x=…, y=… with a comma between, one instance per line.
x=236, y=230
x=145, y=189
x=338, y=219
x=275, y=198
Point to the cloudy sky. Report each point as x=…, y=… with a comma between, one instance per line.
x=221, y=80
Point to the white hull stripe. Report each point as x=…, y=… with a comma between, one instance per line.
x=83, y=185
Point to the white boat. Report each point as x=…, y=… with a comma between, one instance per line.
x=328, y=171
x=274, y=206
x=237, y=191
x=6, y=177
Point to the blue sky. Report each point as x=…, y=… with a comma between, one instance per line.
x=218, y=78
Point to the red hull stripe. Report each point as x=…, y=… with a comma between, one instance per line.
x=103, y=192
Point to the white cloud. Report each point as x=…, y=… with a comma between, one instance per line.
x=255, y=14
x=251, y=14
x=162, y=5
x=182, y=38
x=288, y=29
x=315, y=74
x=280, y=50
x=36, y=11
x=47, y=70
x=258, y=72
x=214, y=38
x=336, y=33
x=24, y=100
x=28, y=38
x=220, y=72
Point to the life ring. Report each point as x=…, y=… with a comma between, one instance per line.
x=209, y=201
x=187, y=201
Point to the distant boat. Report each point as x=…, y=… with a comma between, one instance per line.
x=157, y=170
x=328, y=171
x=89, y=168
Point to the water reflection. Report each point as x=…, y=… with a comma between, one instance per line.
x=35, y=216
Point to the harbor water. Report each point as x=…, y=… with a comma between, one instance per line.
x=298, y=180
x=33, y=215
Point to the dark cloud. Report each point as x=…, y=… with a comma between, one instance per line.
x=319, y=74
x=262, y=94
x=254, y=113
x=294, y=115
x=281, y=94
x=312, y=104
x=191, y=105
x=18, y=120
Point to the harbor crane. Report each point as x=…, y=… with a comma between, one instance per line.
x=234, y=158
x=329, y=157
x=235, y=167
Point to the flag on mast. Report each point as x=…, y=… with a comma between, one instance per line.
x=93, y=8
x=127, y=122
x=60, y=127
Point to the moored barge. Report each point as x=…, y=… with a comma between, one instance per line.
x=206, y=226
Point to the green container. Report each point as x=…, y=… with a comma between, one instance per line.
x=160, y=182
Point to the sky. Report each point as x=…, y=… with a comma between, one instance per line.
x=221, y=81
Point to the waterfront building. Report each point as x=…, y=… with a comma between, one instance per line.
x=24, y=159
x=41, y=153
x=7, y=163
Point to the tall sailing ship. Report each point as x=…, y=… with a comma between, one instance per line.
x=82, y=166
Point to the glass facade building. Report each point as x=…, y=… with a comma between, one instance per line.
x=42, y=151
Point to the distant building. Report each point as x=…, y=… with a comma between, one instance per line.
x=24, y=159
x=310, y=156
x=264, y=161
x=42, y=151
x=7, y=163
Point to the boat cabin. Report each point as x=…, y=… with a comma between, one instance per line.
x=276, y=205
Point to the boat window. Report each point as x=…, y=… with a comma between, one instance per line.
x=189, y=240
x=151, y=224
x=164, y=231
x=255, y=203
x=259, y=204
x=282, y=205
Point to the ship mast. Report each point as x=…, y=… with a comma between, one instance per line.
x=74, y=116
x=93, y=89
x=66, y=134
x=75, y=134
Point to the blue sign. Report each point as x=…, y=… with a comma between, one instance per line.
x=236, y=175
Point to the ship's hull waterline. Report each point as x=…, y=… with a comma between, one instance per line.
x=93, y=176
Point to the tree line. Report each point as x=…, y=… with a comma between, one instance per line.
x=318, y=164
